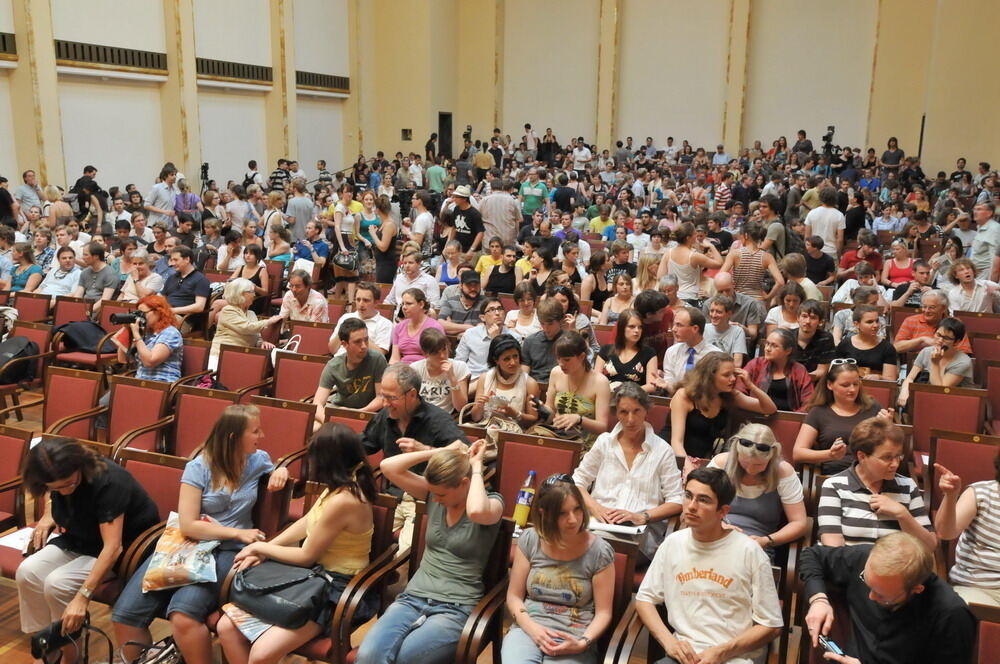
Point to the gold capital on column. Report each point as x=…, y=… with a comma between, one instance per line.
x=280, y=110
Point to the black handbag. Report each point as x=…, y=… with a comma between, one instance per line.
x=283, y=595
x=346, y=261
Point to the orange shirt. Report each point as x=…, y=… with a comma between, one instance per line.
x=917, y=326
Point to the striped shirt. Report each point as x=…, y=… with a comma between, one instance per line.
x=844, y=507
x=977, y=557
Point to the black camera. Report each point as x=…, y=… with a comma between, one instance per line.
x=204, y=171
x=128, y=318
x=828, y=136
x=467, y=134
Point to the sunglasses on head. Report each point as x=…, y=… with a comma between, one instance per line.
x=842, y=360
x=761, y=447
x=558, y=477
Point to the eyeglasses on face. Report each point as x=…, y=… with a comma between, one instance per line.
x=493, y=310
x=761, y=447
x=558, y=477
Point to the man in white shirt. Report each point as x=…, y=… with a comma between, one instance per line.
x=416, y=171
x=530, y=140
x=987, y=239
x=581, y=157
x=379, y=327
x=670, y=151
x=715, y=582
x=827, y=222
x=64, y=277
x=688, y=348
x=411, y=276
x=720, y=157
x=645, y=490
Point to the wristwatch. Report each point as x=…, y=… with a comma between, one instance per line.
x=645, y=515
x=87, y=593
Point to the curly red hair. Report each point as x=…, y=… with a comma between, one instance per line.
x=167, y=317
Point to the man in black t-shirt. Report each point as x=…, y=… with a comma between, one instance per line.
x=722, y=239
x=563, y=197
x=187, y=290
x=910, y=293
x=820, y=266
x=468, y=223
x=7, y=203
x=814, y=348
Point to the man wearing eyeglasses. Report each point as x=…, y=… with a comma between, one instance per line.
x=901, y=612
x=917, y=331
x=407, y=423
x=716, y=584
x=474, y=346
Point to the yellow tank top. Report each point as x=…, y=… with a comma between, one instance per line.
x=348, y=552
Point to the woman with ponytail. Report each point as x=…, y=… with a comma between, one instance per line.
x=336, y=533
x=384, y=242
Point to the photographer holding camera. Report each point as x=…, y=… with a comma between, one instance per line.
x=155, y=340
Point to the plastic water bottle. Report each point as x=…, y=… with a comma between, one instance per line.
x=524, y=498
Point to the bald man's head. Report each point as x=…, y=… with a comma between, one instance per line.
x=724, y=283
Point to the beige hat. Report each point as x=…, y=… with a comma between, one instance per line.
x=462, y=191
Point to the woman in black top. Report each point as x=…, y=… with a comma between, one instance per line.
x=628, y=359
x=100, y=509
x=595, y=286
x=384, y=247
x=855, y=217
x=875, y=355
x=699, y=411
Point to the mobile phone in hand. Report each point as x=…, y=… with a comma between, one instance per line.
x=829, y=645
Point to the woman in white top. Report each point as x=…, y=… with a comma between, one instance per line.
x=444, y=382
x=524, y=319
x=343, y=231
x=505, y=389
x=687, y=263
x=786, y=314
x=272, y=213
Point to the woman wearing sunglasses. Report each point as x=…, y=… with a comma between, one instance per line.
x=769, y=506
x=561, y=583
x=870, y=499
x=840, y=403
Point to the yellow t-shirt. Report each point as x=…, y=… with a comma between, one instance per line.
x=353, y=208
x=484, y=264
x=597, y=225
x=524, y=264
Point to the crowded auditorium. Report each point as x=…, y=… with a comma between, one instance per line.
x=464, y=331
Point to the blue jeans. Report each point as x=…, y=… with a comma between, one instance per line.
x=518, y=648
x=414, y=629
x=138, y=609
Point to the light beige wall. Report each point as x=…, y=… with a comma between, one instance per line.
x=478, y=101
x=677, y=50
x=962, y=93
x=899, y=82
x=8, y=148
x=234, y=30
x=321, y=36
x=550, y=76
x=6, y=16
x=810, y=65
x=139, y=24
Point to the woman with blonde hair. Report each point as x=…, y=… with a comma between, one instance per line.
x=425, y=622
x=222, y=483
x=562, y=581
x=60, y=213
x=769, y=506
x=237, y=324
x=645, y=276
x=700, y=408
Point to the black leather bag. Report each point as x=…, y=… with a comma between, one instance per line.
x=346, y=261
x=283, y=595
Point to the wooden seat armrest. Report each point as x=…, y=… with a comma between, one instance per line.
x=184, y=380
x=26, y=358
x=59, y=425
x=291, y=458
x=11, y=484
x=5, y=411
x=256, y=386
x=132, y=434
x=342, y=620
x=625, y=636
x=140, y=547
x=483, y=616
